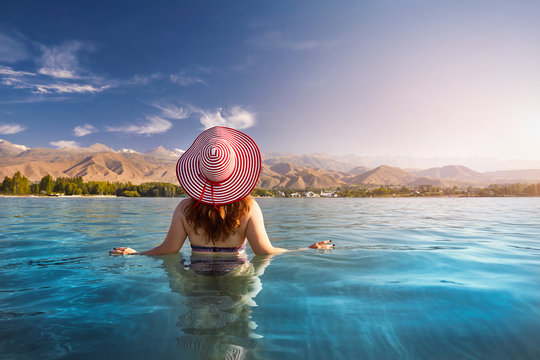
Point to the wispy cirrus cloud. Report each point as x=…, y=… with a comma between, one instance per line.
x=83, y=130
x=6, y=70
x=59, y=69
x=61, y=61
x=235, y=117
x=69, y=88
x=43, y=84
x=138, y=80
x=62, y=144
x=7, y=129
x=185, y=79
x=174, y=112
x=152, y=125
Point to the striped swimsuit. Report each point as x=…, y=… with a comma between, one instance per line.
x=219, y=249
x=204, y=262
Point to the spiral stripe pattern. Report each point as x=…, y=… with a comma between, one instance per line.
x=222, y=161
x=217, y=160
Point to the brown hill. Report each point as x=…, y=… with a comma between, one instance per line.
x=286, y=168
x=455, y=173
x=313, y=178
x=384, y=175
x=316, y=161
x=290, y=176
x=89, y=164
x=117, y=167
x=34, y=170
x=270, y=179
x=99, y=162
x=423, y=181
x=358, y=170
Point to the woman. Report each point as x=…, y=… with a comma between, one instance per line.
x=218, y=172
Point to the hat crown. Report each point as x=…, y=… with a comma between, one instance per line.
x=217, y=160
x=222, y=166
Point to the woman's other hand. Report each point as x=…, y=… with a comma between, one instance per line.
x=122, y=251
x=327, y=244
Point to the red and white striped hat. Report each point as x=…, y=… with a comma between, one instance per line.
x=221, y=167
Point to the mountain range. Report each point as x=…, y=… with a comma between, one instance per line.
x=100, y=162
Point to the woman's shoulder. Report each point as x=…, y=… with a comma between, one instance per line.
x=184, y=202
x=255, y=204
x=179, y=211
x=254, y=210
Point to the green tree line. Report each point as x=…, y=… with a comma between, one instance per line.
x=20, y=185
x=404, y=191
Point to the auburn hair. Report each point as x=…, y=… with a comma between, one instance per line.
x=217, y=224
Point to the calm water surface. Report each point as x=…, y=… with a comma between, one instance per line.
x=409, y=279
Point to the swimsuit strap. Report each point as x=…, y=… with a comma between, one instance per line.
x=218, y=249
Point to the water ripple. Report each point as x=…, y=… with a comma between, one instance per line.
x=408, y=279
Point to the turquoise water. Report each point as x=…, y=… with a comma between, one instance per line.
x=409, y=279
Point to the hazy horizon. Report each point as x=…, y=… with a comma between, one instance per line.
x=411, y=79
x=482, y=164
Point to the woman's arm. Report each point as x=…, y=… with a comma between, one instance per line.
x=258, y=238
x=173, y=241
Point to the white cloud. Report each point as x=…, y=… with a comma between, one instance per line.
x=6, y=129
x=61, y=61
x=154, y=125
x=140, y=80
x=67, y=88
x=12, y=50
x=173, y=112
x=236, y=117
x=60, y=72
x=6, y=70
x=84, y=129
x=43, y=85
x=185, y=79
x=61, y=144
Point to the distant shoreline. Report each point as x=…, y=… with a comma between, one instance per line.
x=61, y=196
x=268, y=197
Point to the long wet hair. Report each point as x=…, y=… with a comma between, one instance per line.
x=218, y=224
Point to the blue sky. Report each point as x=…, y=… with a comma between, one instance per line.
x=407, y=78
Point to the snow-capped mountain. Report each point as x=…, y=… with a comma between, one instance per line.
x=9, y=149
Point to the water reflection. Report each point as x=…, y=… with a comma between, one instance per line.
x=218, y=291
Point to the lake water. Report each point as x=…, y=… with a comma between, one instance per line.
x=410, y=278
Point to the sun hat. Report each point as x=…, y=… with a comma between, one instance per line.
x=222, y=166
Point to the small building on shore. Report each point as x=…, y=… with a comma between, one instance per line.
x=328, y=194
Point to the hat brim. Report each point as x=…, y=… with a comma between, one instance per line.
x=238, y=185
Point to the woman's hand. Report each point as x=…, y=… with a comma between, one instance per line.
x=122, y=251
x=327, y=244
